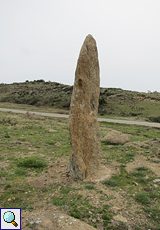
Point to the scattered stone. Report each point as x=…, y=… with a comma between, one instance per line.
x=135, y=183
x=155, y=185
x=146, y=177
x=9, y=199
x=116, y=137
x=57, y=144
x=148, y=189
x=52, y=131
x=156, y=181
x=32, y=222
x=83, y=123
x=38, y=221
x=18, y=142
x=120, y=218
x=115, y=209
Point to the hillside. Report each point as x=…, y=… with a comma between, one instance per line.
x=113, y=101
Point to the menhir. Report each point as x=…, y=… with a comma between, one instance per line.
x=83, y=124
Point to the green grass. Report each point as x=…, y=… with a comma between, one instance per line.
x=142, y=198
x=153, y=213
x=111, y=183
x=139, y=174
x=142, y=169
x=21, y=172
x=90, y=187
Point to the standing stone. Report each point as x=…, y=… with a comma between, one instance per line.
x=83, y=124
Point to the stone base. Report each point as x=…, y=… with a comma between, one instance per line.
x=102, y=174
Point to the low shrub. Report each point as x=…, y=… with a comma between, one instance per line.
x=32, y=162
x=142, y=198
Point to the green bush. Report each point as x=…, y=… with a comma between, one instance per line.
x=142, y=168
x=32, y=162
x=154, y=119
x=75, y=212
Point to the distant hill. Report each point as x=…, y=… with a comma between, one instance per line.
x=112, y=100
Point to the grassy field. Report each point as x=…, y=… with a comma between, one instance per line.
x=112, y=101
x=34, y=160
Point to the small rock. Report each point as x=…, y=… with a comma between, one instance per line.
x=38, y=221
x=18, y=142
x=94, y=220
x=52, y=131
x=31, y=222
x=148, y=189
x=57, y=144
x=116, y=137
x=135, y=183
x=9, y=199
x=146, y=177
x=155, y=185
x=115, y=209
x=120, y=218
x=13, y=198
x=156, y=181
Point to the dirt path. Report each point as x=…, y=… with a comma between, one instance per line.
x=99, y=119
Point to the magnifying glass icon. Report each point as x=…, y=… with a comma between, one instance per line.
x=9, y=217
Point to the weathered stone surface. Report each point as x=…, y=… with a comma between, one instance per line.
x=83, y=124
x=55, y=221
x=116, y=137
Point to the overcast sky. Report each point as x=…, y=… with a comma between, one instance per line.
x=41, y=39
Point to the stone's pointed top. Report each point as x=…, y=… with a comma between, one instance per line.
x=88, y=64
x=89, y=38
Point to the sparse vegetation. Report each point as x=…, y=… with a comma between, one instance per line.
x=34, y=159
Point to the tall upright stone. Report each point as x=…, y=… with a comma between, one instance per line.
x=83, y=124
